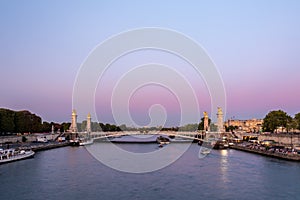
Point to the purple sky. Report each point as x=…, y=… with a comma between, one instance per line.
x=254, y=44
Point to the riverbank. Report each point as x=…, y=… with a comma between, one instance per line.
x=287, y=139
x=270, y=153
x=38, y=146
x=29, y=138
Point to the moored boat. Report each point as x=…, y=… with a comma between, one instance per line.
x=221, y=144
x=214, y=144
x=209, y=144
x=11, y=155
x=204, y=150
x=85, y=142
x=163, y=140
x=74, y=142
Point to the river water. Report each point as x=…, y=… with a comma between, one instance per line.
x=73, y=173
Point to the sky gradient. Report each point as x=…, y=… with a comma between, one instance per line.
x=254, y=44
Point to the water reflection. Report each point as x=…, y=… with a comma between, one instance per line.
x=225, y=174
x=224, y=166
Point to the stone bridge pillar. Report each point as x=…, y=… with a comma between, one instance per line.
x=88, y=123
x=74, y=122
x=206, y=124
x=220, y=120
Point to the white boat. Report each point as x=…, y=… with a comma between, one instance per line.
x=164, y=142
x=86, y=142
x=205, y=151
x=74, y=142
x=10, y=155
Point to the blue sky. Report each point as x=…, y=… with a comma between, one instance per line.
x=254, y=44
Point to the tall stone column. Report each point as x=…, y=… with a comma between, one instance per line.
x=88, y=123
x=52, y=129
x=220, y=120
x=206, y=124
x=74, y=122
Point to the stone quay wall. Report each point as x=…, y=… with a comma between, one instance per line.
x=284, y=139
x=30, y=138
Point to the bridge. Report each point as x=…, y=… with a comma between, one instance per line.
x=184, y=135
x=200, y=136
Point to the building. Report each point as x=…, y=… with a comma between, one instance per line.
x=249, y=125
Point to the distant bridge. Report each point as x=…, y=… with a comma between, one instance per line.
x=185, y=135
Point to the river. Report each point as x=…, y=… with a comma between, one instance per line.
x=73, y=173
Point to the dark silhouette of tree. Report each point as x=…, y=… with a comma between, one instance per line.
x=275, y=119
x=201, y=124
x=24, y=139
x=231, y=128
x=189, y=127
x=7, y=121
x=65, y=126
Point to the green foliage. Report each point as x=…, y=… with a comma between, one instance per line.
x=24, y=139
x=65, y=126
x=276, y=119
x=46, y=127
x=24, y=121
x=27, y=122
x=79, y=127
x=213, y=127
x=230, y=128
x=123, y=127
x=83, y=125
x=19, y=121
x=189, y=127
x=292, y=124
x=109, y=127
x=201, y=124
x=7, y=120
x=297, y=121
x=95, y=126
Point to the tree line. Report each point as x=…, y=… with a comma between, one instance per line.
x=19, y=121
x=27, y=122
x=280, y=121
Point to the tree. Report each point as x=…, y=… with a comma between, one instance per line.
x=231, y=128
x=102, y=126
x=65, y=126
x=297, y=121
x=7, y=120
x=79, y=127
x=46, y=127
x=189, y=127
x=24, y=139
x=201, y=124
x=123, y=127
x=213, y=127
x=83, y=125
x=292, y=124
x=275, y=119
x=95, y=126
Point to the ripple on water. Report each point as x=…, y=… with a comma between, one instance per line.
x=72, y=173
